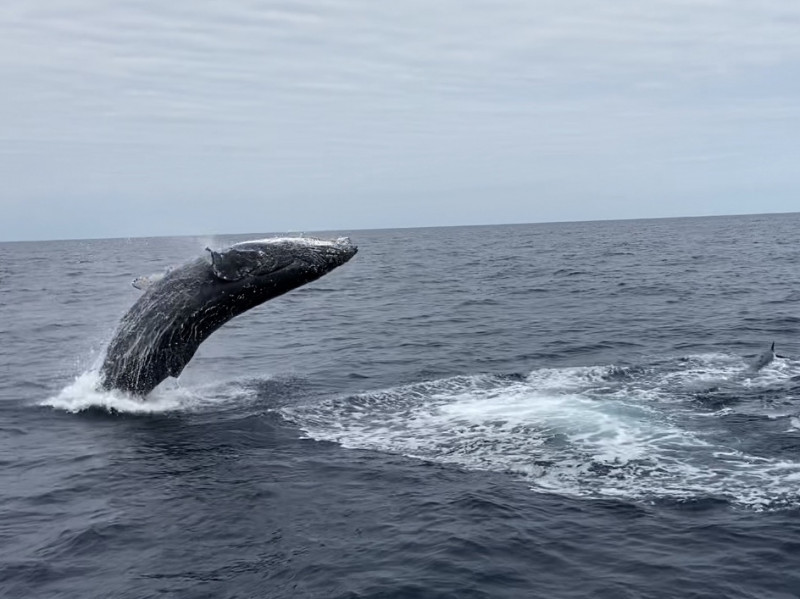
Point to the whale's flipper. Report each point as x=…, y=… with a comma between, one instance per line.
x=146, y=281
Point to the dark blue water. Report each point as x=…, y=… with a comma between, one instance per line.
x=560, y=410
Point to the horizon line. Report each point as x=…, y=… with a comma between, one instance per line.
x=452, y=226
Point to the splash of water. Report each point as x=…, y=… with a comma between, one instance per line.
x=85, y=393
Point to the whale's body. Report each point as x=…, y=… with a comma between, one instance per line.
x=161, y=332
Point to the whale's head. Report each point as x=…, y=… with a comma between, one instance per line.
x=279, y=264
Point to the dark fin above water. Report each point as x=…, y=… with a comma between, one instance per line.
x=779, y=355
x=772, y=349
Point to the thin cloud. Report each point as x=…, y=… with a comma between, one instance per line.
x=330, y=106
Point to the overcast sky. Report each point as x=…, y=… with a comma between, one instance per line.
x=127, y=118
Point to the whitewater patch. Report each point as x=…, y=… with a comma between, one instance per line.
x=84, y=393
x=602, y=431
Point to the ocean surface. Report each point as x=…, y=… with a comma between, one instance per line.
x=550, y=410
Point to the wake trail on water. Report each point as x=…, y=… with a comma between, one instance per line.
x=647, y=432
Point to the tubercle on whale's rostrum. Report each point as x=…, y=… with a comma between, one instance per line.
x=160, y=333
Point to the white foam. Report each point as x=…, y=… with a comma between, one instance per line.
x=590, y=432
x=84, y=393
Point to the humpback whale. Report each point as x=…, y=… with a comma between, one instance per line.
x=179, y=309
x=764, y=358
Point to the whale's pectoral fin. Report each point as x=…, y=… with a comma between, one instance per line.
x=234, y=264
x=146, y=281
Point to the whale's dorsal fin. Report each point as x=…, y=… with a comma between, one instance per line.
x=233, y=264
x=144, y=282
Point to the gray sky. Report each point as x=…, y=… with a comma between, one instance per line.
x=125, y=118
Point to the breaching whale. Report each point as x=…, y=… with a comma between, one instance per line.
x=179, y=309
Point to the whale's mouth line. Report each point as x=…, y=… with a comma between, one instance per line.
x=255, y=276
x=313, y=262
